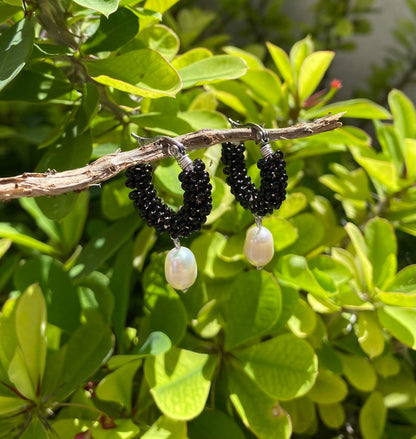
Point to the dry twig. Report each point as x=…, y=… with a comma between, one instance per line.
x=55, y=183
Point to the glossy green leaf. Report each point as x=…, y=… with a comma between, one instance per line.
x=212, y=69
x=10, y=232
x=404, y=281
x=10, y=406
x=295, y=271
x=359, y=372
x=399, y=390
x=105, y=7
x=16, y=45
x=159, y=5
x=404, y=114
x=36, y=429
x=4, y=246
x=252, y=61
x=115, y=201
x=166, y=428
x=179, y=382
x=117, y=386
x=362, y=251
x=113, y=32
x=157, y=37
x=312, y=71
x=372, y=417
x=200, y=119
x=105, y=245
x=410, y=158
x=258, y=411
x=370, y=334
x=338, y=272
x=284, y=367
x=157, y=343
x=191, y=57
x=214, y=423
x=253, y=308
x=302, y=413
x=88, y=107
x=310, y=233
x=332, y=415
x=77, y=360
x=282, y=62
x=61, y=297
x=303, y=320
x=70, y=428
x=284, y=233
x=382, y=249
x=38, y=83
x=265, y=84
x=294, y=203
x=8, y=10
x=30, y=330
x=19, y=375
x=400, y=322
x=328, y=388
x=357, y=108
x=386, y=365
x=299, y=51
x=391, y=144
x=141, y=72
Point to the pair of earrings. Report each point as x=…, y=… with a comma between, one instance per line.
x=180, y=263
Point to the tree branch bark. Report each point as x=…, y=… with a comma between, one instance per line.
x=54, y=183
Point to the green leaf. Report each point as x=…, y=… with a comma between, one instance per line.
x=159, y=5
x=400, y=322
x=295, y=271
x=213, y=423
x=36, y=429
x=88, y=107
x=10, y=406
x=404, y=281
x=166, y=428
x=303, y=320
x=105, y=7
x=265, y=84
x=70, y=428
x=10, y=232
x=391, y=144
x=362, y=251
x=157, y=37
x=117, y=386
x=399, y=390
x=332, y=415
x=31, y=332
x=191, y=57
x=370, y=334
x=253, y=308
x=357, y=108
x=259, y=412
x=312, y=71
x=282, y=62
x=284, y=367
x=328, y=389
x=100, y=248
x=200, y=119
x=4, y=246
x=284, y=233
x=16, y=45
x=141, y=72
x=179, y=382
x=359, y=372
x=61, y=297
x=38, y=83
x=252, y=61
x=372, y=417
x=294, y=203
x=7, y=11
x=115, y=201
x=404, y=114
x=212, y=69
x=19, y=375
x=338, y=272
x=302, y=414
x=113, y=32
x=299, y=51
x=156, y=343
x=77, y=360
x=382, y=250
x=386, y=365
x=310, y=233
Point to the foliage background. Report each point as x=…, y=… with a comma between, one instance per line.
x=93, y=342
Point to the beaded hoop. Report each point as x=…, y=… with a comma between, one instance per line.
x=197, y=201
x=273, y=185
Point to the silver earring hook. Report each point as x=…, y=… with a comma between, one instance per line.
x=175, y=148
x=265, y=148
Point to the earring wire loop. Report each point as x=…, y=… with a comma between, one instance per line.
x=265, y=148
x=175, y=148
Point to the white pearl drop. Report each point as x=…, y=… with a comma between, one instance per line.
x=258, y=247
x=180, y=268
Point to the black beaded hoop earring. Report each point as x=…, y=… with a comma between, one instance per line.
x=258, y=246
x=180, y=263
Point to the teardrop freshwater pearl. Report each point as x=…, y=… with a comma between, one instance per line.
x=258, y=247
x=180, y=268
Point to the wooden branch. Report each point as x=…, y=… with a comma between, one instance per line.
x=55, y=183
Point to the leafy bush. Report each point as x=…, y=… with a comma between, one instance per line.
x=95, y=344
